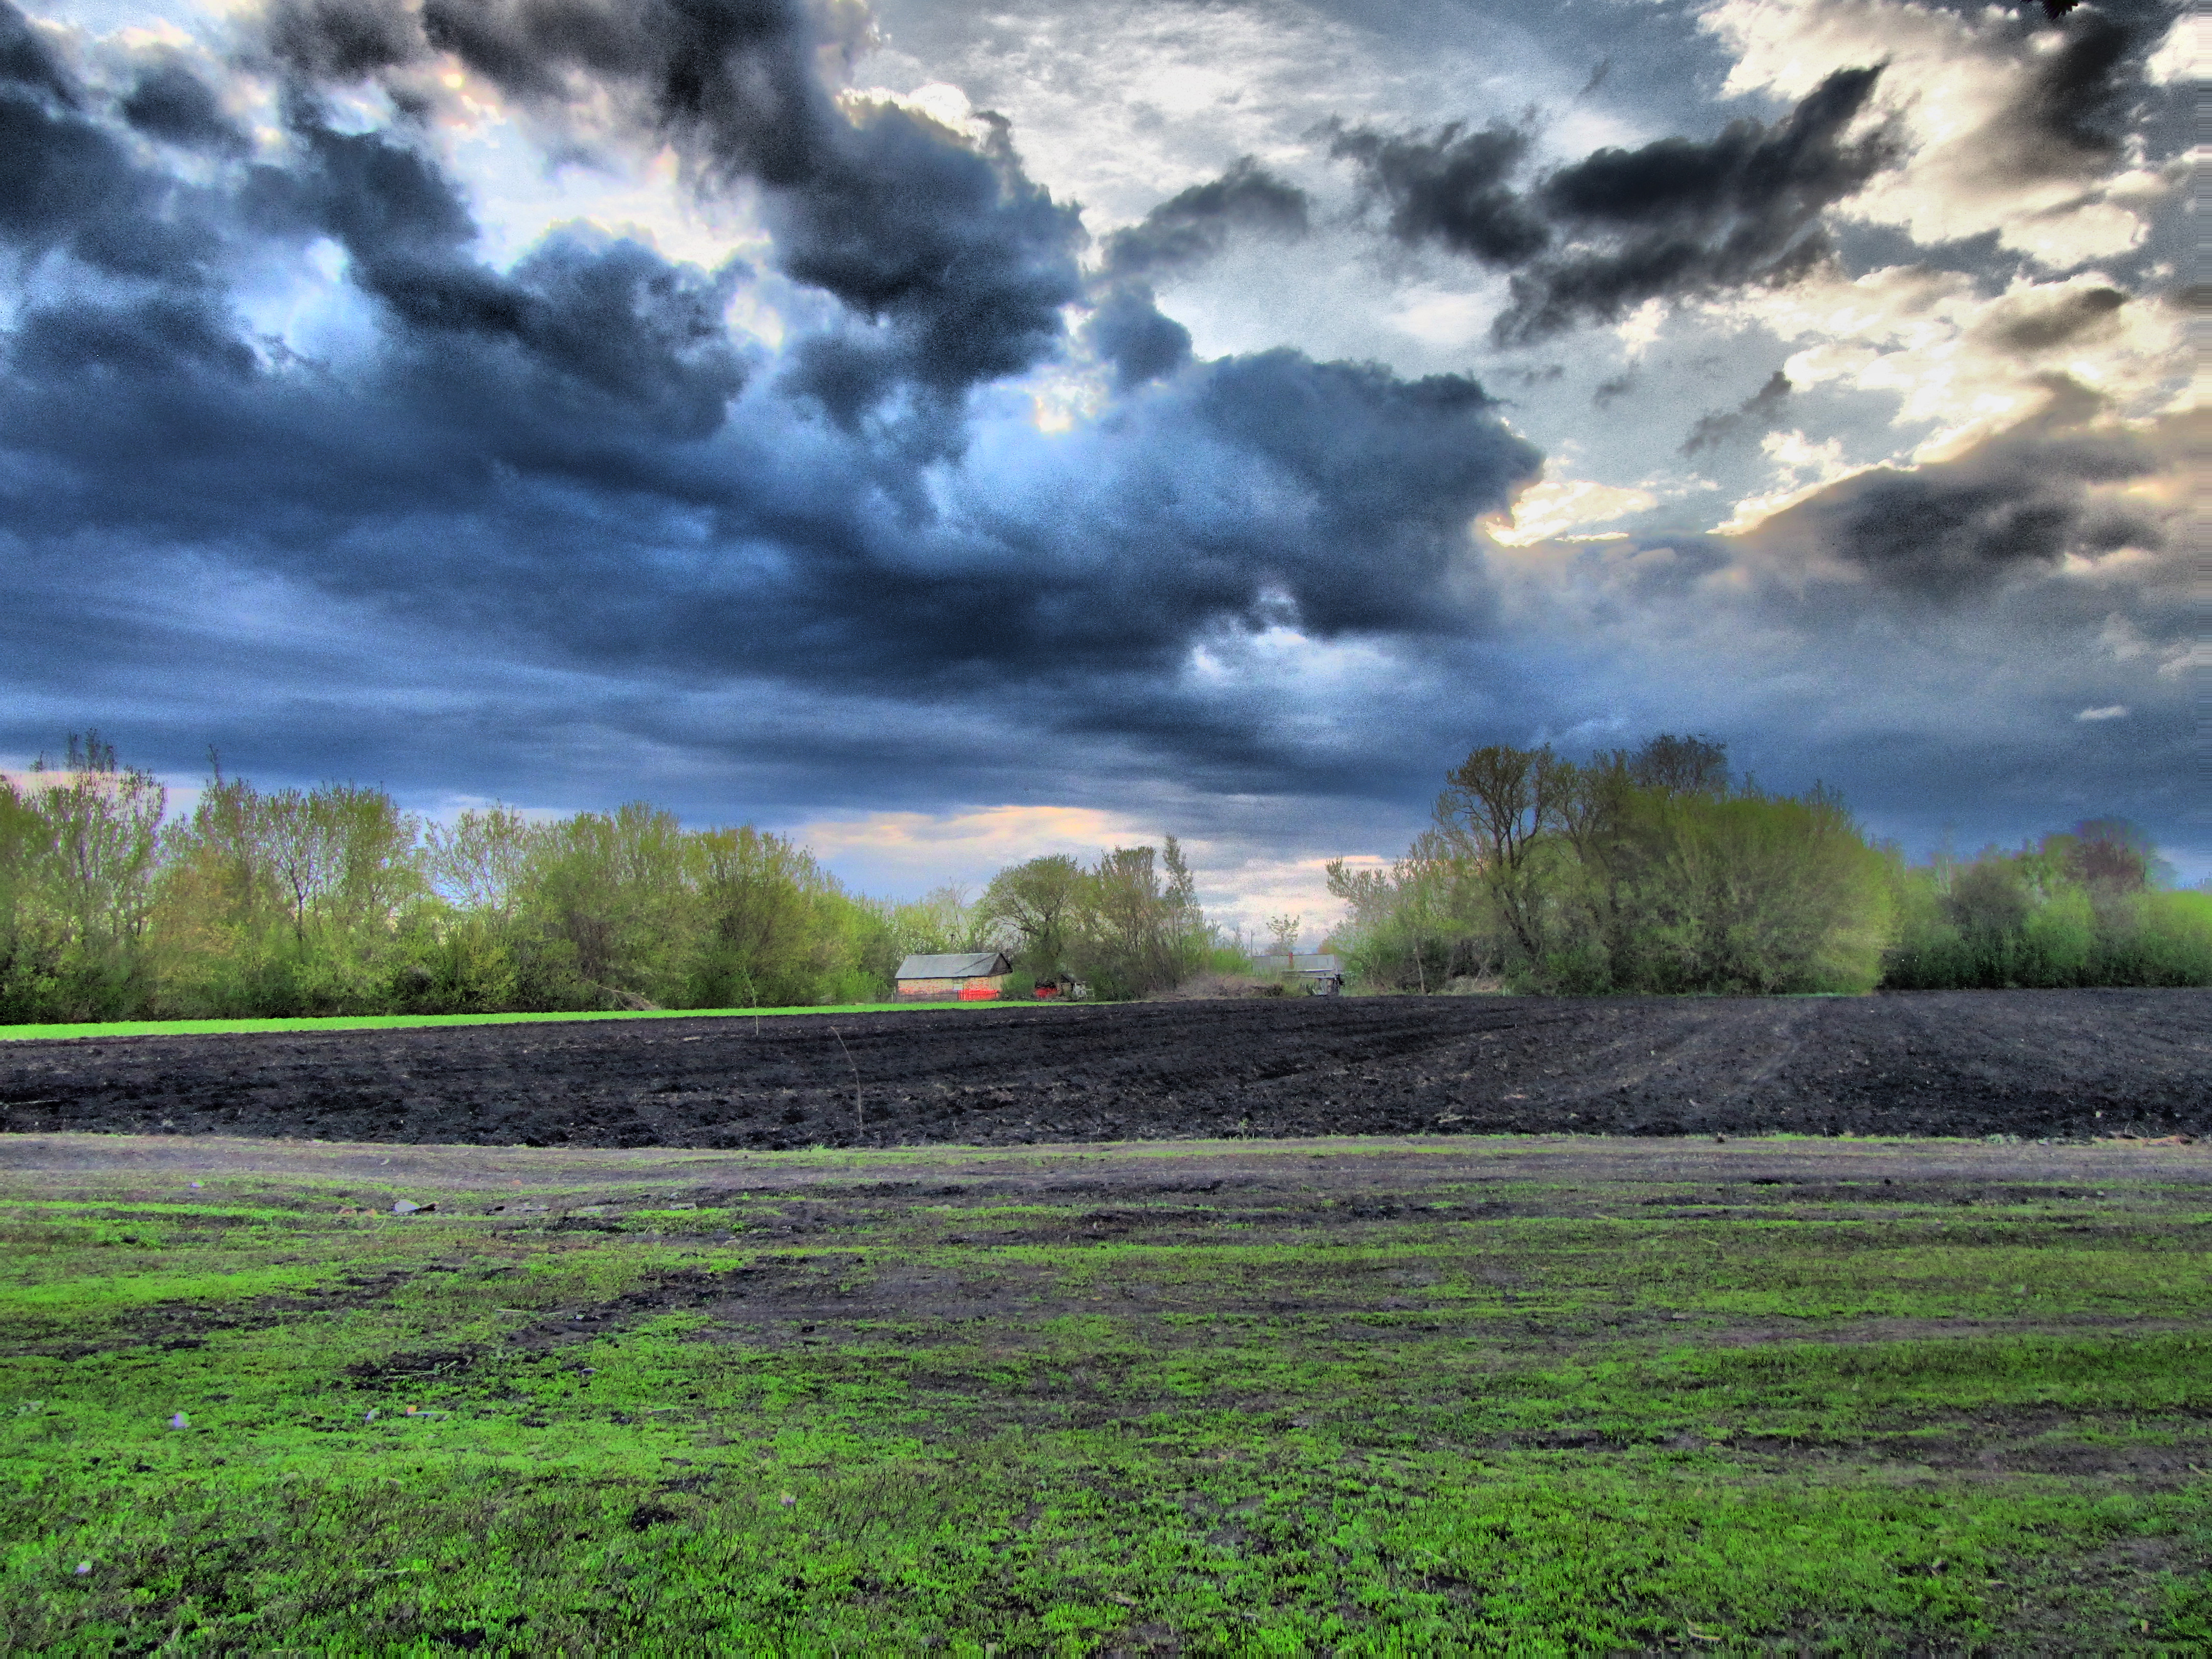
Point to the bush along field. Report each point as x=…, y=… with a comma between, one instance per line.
x=1658, y=871
x=1537, y=1396
x=293, y=903
x=1651, y=871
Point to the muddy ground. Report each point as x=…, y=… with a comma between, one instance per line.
x=804, y=1214
x=2075, y=1064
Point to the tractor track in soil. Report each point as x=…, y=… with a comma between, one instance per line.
x=2073, y=1064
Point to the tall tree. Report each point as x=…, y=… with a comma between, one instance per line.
x=1495, y=807
x=1036, y=907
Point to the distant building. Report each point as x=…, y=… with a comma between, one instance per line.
x=961, y=976
x=1323, y=974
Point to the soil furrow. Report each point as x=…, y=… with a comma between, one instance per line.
x=2037, y=1065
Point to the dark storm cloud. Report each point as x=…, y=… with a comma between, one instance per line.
x=595, y=321
x=2086, y=91
x=27, y=64
x=1126, y=328
x=966, y=261
x=950, y=245
x=1680, y=218
x=1128, y=331
x=1674, y=219
x=1249, y=492
x=160, y=338
x=441, y=501
x=170, y=102
x=1386, y=475
x=961, y=259
x=568, y=463
x=2014, y=506
x=1757, y=413
x=389, y=204
x=341, y=40
x=2077, y=94
x=1450, y=188
x=1189, y=228
x=2069, y=124
x=732, y=84
x=69, y=184
x=2078, y=314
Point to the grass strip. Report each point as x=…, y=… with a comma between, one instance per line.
x=400, y=1022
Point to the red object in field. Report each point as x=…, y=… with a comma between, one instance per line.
x=978, y=994
x=1044, y=990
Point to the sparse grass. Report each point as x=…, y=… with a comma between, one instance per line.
x=387, y=1022
x=1381, y=1400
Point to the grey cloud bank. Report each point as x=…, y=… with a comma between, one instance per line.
x=785, y=531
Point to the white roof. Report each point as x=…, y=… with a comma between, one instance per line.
x=961, y=965
x=1301, y=964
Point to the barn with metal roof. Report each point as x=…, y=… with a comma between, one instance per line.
x=959, y=977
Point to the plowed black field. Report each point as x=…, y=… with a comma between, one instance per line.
x=2036, y=1064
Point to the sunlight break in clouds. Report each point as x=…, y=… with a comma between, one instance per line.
x=1551, y=508
x=907, y=852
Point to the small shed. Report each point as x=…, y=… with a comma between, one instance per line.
x=961, y=976
x=1322, y=974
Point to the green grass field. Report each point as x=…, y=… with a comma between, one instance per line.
x=387, y=1021
x=1362, y=1397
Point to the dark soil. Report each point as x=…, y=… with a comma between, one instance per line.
x=2035, y=1064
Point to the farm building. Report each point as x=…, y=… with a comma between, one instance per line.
x=1323, y=974
x=963, y=977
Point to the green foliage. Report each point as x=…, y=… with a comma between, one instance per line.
x=1653, y=870
x=1037, y=910
x=776, y=927
x=1421, y=925
x=453, y=962
x=78, y=861
x=1137, y=927
x=1739, y=892
x=1643, y=871
x=2078, y=909
x=1127, y=926
x=331, y=901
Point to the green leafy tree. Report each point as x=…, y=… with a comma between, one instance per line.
x=770, y=938
x=1497, y=814
x=2084, y=907
x=1037, y=910
x=1643, y=870
x=81, y=845
x=1422, y=923
x=1141, y=929
x=607, y=891
x=480, y=861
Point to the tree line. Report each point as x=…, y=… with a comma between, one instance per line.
x=333, y=901
x=1657, y=870
x=1651, y=870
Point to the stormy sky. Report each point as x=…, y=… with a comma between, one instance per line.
x=953, y=433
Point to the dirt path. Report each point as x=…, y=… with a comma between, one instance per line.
x=2040, y=1064
x=575, y=1178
